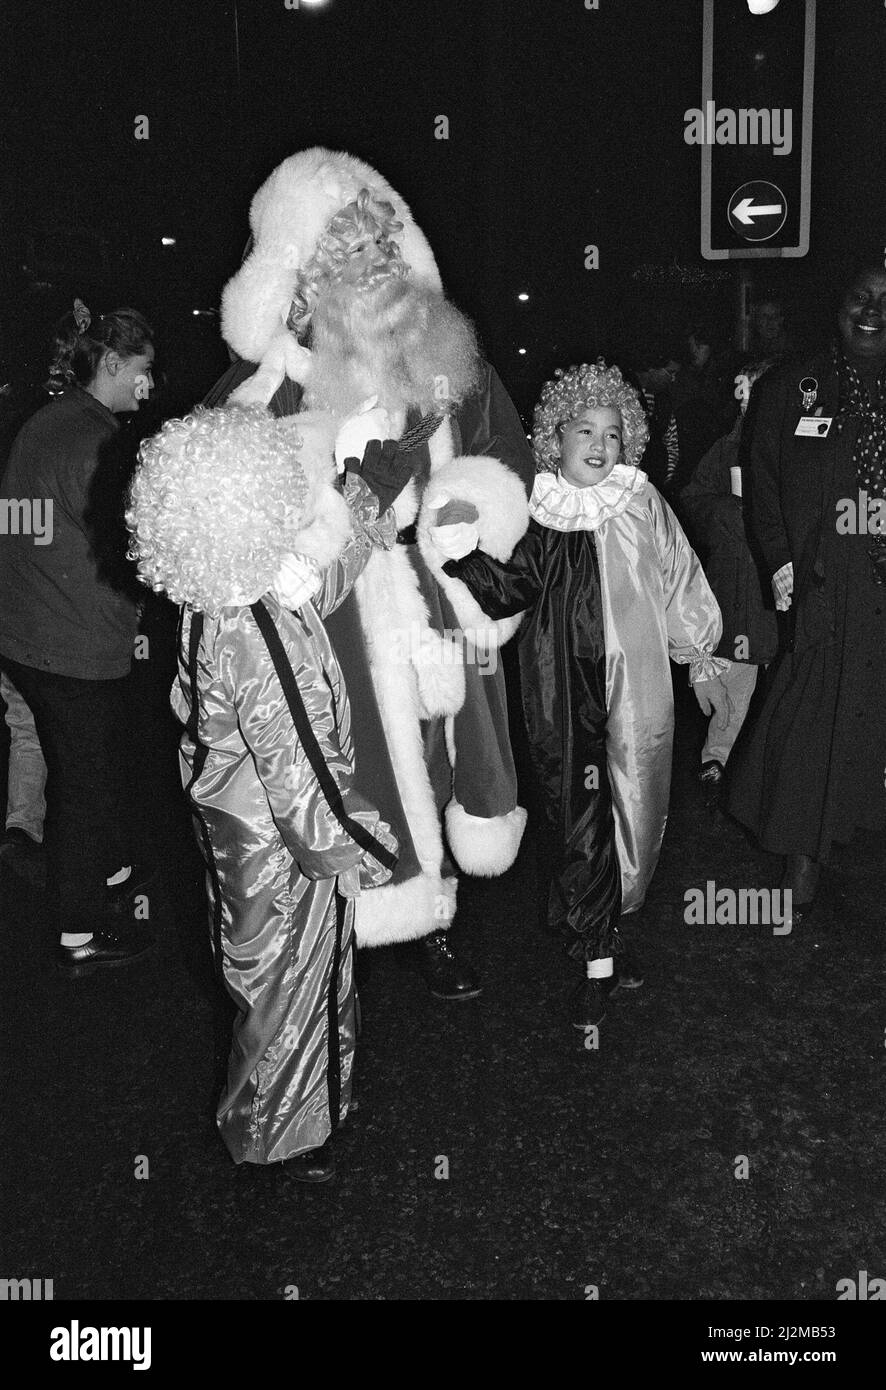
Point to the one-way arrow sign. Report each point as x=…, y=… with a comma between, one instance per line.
x=757, y=211
x=747, y=210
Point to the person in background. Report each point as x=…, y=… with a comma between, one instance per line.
x=21, y=395
x=811, y=771
x=770, y=341
x=713, y=512
x=703, y=399
x=611, y=590
x=662, y=453
x=21, y=844
x=68, y=620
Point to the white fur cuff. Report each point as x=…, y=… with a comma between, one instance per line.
x=484, y=846
x=404, y=911
x=329, y=529
x=503, y=516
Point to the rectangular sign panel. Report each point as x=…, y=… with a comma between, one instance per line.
x=754, y=127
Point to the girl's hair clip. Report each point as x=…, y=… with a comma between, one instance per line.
x=82, y=316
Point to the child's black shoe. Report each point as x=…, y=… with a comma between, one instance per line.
x=628, y=970
x=589, y=1002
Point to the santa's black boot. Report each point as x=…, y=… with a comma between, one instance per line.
x=446, y=974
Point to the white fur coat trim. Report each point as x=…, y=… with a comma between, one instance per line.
x=426, y=665
x=500, y=499
x=284, y=356
x=327, y=524
x=406, y=505
x=289, y=214
x=324, y=536
x=405, y=911
x=483, y=846
x=388, y=599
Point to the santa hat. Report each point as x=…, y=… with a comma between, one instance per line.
x=289, y=214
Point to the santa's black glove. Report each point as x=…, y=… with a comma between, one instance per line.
x=384, y=469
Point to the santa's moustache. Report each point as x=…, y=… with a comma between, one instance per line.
x=408, y=345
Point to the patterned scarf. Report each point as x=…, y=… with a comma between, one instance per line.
x=869, y=455
x=870, y=446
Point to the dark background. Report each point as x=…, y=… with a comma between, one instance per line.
x=570, y=1167
x=565, y=129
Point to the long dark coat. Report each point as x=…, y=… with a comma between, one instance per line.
x=812, y=769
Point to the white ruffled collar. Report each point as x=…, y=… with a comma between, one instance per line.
x=562, y=506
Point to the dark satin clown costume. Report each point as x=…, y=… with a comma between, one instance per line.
x=608, y=600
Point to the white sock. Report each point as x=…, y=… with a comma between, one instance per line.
x=119, y=877
x=600, y=969
x=76, y=938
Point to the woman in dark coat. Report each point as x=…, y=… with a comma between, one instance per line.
x=812, y=770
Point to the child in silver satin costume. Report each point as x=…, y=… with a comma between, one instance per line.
x=233, y=511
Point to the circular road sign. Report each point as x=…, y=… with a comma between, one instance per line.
x=757, y=210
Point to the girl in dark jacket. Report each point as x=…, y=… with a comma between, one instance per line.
x=68, y=621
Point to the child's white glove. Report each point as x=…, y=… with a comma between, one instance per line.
x=297, y=580
x=370, y=421
x=460, y=535
x=713, y=697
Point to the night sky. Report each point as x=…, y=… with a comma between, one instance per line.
x=565, y=129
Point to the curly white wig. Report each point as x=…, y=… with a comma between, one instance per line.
x=578, y=389
x=358, y=248
x=214, y=506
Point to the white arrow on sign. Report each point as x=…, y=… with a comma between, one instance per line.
x=746, y=210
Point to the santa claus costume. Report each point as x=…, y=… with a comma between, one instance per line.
x=338, y=301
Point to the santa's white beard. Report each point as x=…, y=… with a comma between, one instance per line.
x=408, y=346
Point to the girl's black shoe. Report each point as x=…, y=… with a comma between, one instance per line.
x=628, y=971
x=589, y=1002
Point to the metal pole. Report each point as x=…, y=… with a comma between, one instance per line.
x=239, y=83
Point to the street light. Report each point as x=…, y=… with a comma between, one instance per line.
x=762, y=6
x=167, y=241
x=523, y=297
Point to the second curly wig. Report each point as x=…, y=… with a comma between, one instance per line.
x=214, y=504
x=576, y=390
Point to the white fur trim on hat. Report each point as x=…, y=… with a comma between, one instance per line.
x=289, y=214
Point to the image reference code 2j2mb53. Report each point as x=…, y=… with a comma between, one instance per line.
x=785, y=1334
